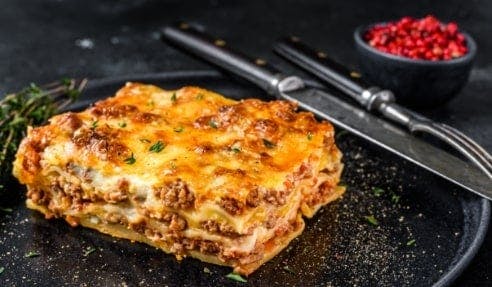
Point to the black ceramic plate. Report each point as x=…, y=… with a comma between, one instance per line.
x=427, y=231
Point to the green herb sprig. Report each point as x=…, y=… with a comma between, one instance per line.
x=32, y=106
x=236, y=277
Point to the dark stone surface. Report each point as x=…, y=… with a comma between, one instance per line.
x=43, y=40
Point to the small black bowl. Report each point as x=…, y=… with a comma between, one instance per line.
x=415, y=83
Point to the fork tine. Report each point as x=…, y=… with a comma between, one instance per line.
x=471, y=145
x=465, y=148
x=470, y=141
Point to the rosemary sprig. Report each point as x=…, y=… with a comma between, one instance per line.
x=32, y=106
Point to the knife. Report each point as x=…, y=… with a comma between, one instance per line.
x=374, y=98
x=326, y=106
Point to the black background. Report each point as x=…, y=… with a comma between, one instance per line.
x=40, y=41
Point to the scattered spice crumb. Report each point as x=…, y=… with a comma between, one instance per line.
x=411, y=242
x=2, y=269
x=85, y=43
x=89, y=250
x=354, y=74
x=395, y=198
x=287, y=268
x=6, y=209
x=206, y=270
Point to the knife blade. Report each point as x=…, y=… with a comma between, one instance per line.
x=382, y=101
x=331, y=108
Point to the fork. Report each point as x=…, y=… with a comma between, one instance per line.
x=383, y=101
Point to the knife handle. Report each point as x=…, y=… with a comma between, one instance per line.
x=319, y=64
x=216, y=51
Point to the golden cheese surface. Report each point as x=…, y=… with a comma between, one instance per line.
x=212, y=143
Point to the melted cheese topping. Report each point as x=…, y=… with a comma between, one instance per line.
x=233, y=172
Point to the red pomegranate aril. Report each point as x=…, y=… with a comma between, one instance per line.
x=424, y=39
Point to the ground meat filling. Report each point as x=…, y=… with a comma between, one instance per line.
x=266, y=128
x=113, y=111
x=176, y=194
x=118, y=195
x=221, y=228
x=232, y=205
x=254, y=198
x=102, y=143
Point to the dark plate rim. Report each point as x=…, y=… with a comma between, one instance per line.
x=446, y=279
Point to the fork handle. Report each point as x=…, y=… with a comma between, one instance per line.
x=216, y=51
x=319, y=64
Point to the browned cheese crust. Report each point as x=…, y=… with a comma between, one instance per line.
x=188, y=171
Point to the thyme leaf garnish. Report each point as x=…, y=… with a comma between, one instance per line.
x=371, y=220
x=31, y=254
x=395, y=198
x=32, y=106
x=6, y=209
x=268, y=144
x=236, y=277
x=89, y=250
x=287, y=268
x=212, y=124
x=157, y=147
x=130, y=160
x=377, y=191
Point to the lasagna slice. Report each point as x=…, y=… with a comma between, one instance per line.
x=187, y=171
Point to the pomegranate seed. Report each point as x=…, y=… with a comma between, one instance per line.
x=425, y=39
